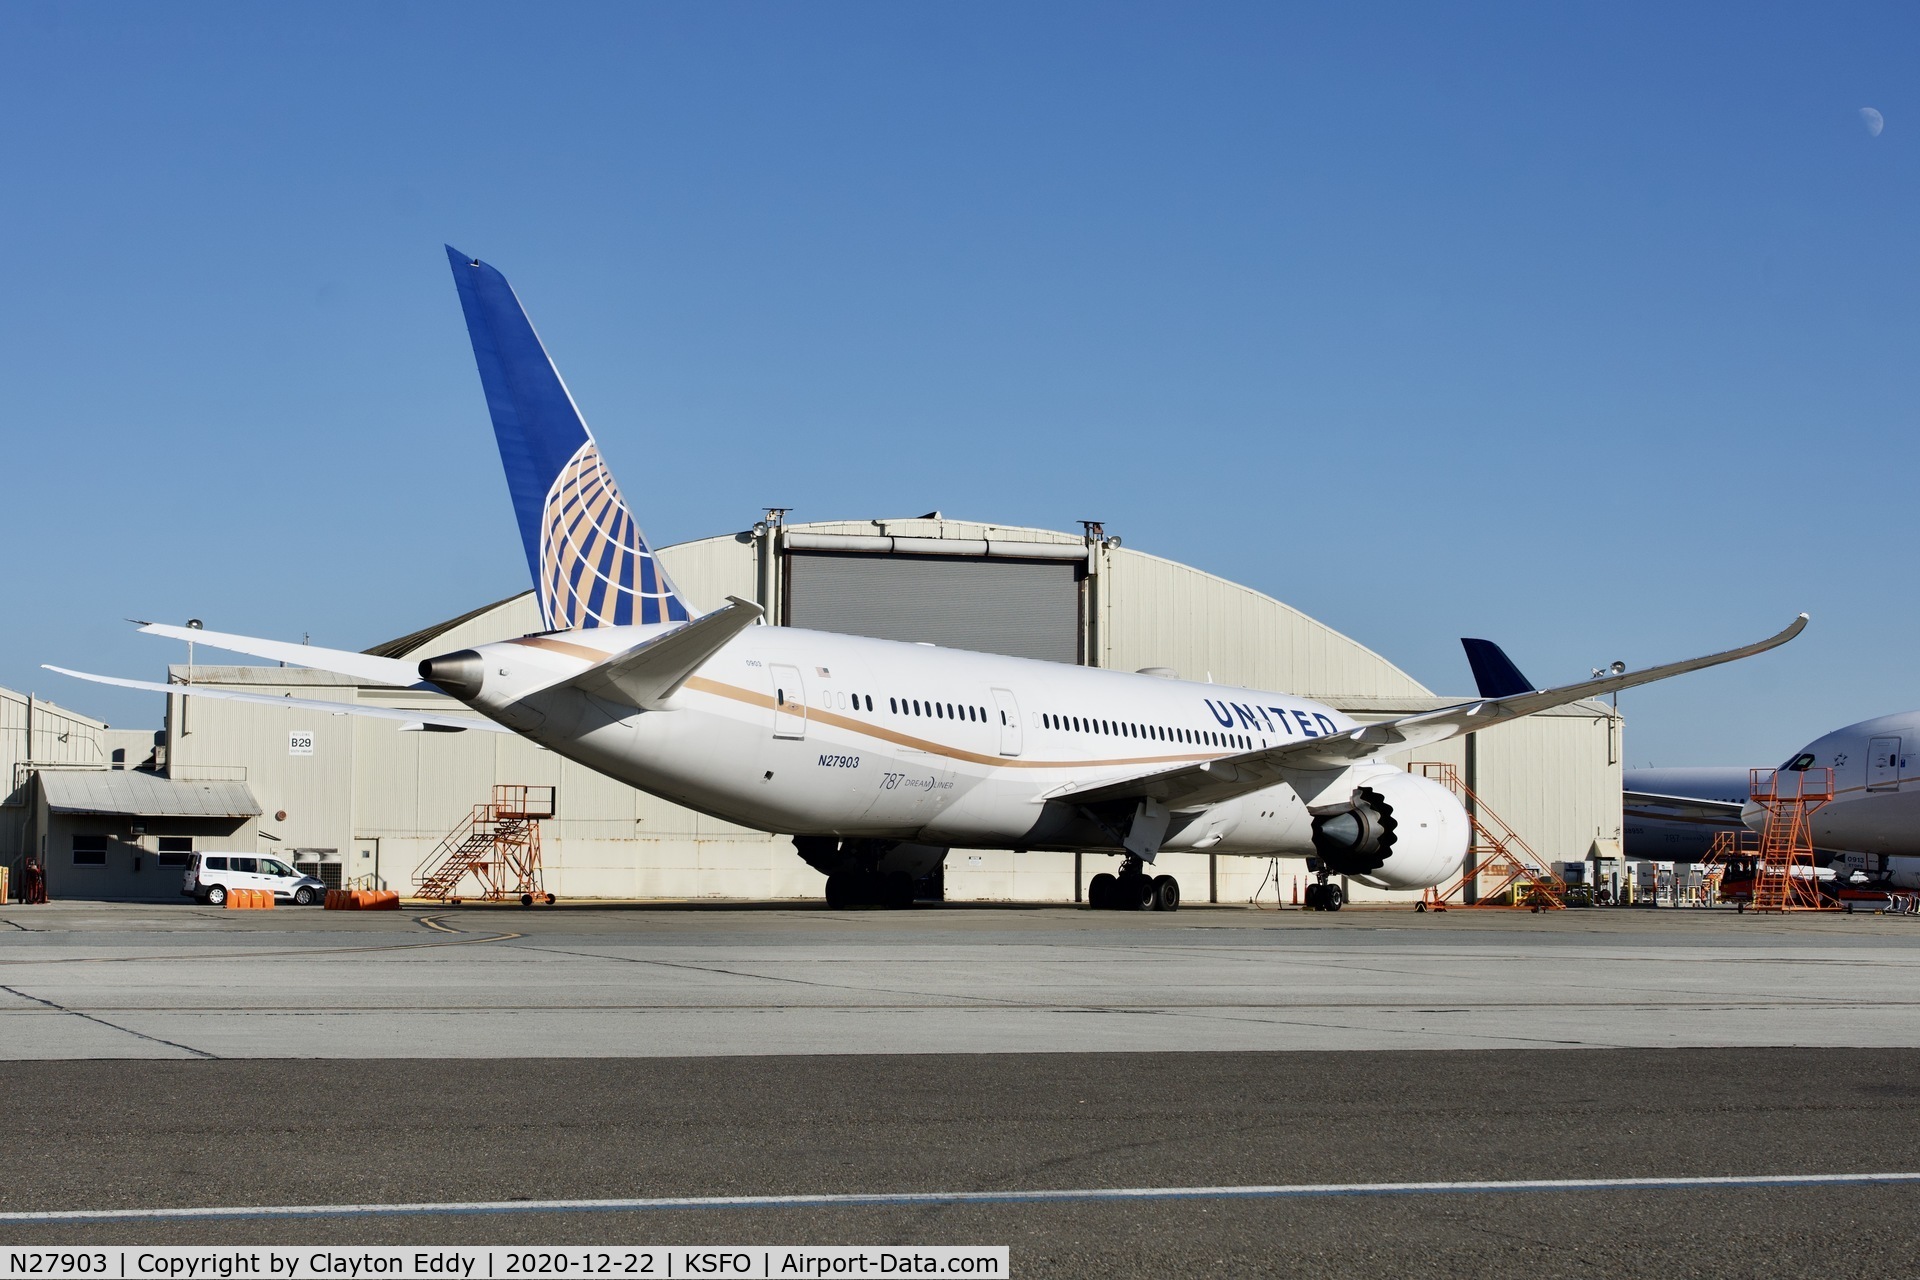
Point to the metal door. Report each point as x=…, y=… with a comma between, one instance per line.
x=1883, y=764
x=1009, y=722
x=789, y=702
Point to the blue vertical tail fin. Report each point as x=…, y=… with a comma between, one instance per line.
x=591, y=565
x=1493, y=671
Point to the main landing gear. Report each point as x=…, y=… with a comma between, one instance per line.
x=1133, y=890
x=860, y=888
x=1324, y=896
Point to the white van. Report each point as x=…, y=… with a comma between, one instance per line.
x=210, y=875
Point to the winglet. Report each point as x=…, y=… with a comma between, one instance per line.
x=1494, y=674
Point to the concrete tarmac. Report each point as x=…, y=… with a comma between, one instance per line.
x=113, y=1135
x=308, y=1057
x=188, y=982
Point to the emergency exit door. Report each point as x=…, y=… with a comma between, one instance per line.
x=789, y=702
x=1009, y=721
x=1883, y=764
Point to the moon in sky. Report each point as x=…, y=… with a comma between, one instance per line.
x=1874, y=120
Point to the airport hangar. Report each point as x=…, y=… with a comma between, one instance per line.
x=354, y=800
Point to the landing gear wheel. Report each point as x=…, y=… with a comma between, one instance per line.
x=217, y=896
x=842, y=890
x=1312, y=900
x=1102, y=890
x=1331, y=898
x=1140, y=894
x=303, y=896
x=1166, y=893
x=896, y=891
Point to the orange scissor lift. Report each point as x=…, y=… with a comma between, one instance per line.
x=498, y=844
x=1510, y=874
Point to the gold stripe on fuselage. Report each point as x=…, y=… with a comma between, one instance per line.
x=752, y=699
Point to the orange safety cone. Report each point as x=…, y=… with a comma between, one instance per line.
x=1296, y=891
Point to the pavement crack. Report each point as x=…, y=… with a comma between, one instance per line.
x=111, y=1026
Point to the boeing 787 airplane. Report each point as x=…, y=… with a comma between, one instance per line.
x=878, y=756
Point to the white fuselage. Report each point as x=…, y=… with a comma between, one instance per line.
x=1876, y=793
x=810, y=732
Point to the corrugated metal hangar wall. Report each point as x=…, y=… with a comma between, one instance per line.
x=366, y=799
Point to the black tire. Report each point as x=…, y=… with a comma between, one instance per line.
x=1420, y=906
x=216, y=895
x=1140, y=893
x=1102, y=890
x=895, y=890
x=526, y=899
x=1333, y=899
x=303, y=896
x=1166, y=893
x=840, y=890
x=551, y=899
x=1312, y=899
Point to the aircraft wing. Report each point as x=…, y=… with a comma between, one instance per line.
x=422, y=718
x=1213, y=781
x=344, y=662
x=642, y=676
x=1683, y=806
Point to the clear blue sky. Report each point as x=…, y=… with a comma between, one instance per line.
x=1587, y=328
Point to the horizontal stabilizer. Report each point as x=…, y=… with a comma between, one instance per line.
x=1494, y=674
x=342, y=662
x=648, y=674
x=1213, y=781
x=408, y=719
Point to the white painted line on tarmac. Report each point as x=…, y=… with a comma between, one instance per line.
x=1302, y=1190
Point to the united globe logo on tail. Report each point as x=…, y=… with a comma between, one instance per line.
x=590, y=563
x=595, y=567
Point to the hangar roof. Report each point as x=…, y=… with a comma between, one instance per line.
x=147, y=795
x=1154, y=612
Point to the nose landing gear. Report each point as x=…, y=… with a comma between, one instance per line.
x=1133, y=890
x=1323, y=895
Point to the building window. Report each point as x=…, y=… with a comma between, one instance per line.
x=174, y=851
x=89, y=851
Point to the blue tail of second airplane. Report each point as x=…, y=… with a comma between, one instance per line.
x=1493, y=670
x=591, y=565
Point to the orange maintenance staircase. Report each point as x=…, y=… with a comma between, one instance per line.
x=1509, y=872
x=498, y=845
x=1786, y=879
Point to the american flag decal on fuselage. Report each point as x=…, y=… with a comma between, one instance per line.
x=596, y=569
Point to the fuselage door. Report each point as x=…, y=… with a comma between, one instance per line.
x=1883, y=764
x=789, y=702
x=1009, y=712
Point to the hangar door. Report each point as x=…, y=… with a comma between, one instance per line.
x=1025, y=608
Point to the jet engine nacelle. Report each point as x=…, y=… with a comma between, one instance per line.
x=1398, y=832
